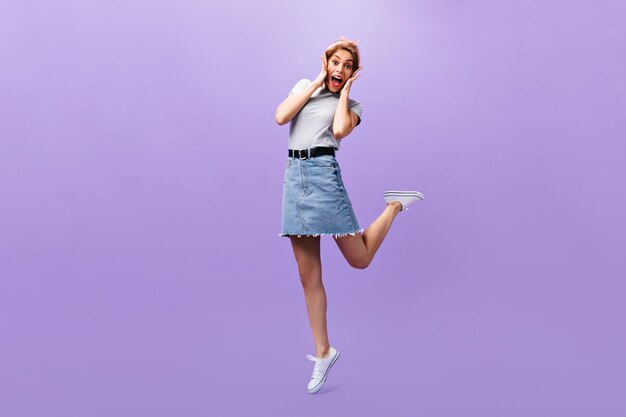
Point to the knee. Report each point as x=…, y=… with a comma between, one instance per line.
x=310, y=277
x=359, y=263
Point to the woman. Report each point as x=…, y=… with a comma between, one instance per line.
x=315, y=201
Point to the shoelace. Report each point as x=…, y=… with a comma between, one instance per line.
x=317, y=369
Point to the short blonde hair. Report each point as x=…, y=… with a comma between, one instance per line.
x=347, y=45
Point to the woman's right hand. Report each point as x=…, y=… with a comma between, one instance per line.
x=321, y=78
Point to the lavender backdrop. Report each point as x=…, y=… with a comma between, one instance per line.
x=140, y=179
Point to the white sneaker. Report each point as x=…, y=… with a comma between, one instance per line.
x=320, y=370
x=406, y=198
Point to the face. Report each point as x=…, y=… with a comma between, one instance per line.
x=340, y=68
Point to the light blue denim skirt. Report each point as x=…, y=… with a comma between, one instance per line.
x=315, y=201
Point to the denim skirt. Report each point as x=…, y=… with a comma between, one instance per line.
x=315, y=201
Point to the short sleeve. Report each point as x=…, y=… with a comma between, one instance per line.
x=357, y=108
x=300, y=86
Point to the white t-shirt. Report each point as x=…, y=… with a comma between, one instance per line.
x=313, y=125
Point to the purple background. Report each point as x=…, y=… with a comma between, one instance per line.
x=140, y=180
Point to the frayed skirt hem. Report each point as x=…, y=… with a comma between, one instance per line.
x=335, y=235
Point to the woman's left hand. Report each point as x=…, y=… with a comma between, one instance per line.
x=348, y=84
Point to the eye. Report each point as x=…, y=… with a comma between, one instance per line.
x=349, y=66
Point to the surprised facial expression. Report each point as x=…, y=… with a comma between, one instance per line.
x=340, y=68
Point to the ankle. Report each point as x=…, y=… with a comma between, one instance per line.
x=396, y=205
x=324, y=352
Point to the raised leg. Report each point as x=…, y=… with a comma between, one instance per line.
x=307, y=252
x=359, y=250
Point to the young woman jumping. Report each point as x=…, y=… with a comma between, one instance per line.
x=315, y=200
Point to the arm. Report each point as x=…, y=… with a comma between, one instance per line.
x=345, y=120
x=294, y=103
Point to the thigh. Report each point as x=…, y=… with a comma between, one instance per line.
x=307, y=252
x=353, y=249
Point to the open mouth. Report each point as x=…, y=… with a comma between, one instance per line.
x=335, y=81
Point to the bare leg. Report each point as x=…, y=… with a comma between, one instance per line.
x=307, y=252
x=359, y=250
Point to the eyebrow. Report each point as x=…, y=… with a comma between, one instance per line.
x=340, y=58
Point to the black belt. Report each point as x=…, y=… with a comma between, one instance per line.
x=311, y=153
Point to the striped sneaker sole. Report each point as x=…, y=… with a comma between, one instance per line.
x=404, y=194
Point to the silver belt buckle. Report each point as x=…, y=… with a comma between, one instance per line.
x=307, y=153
